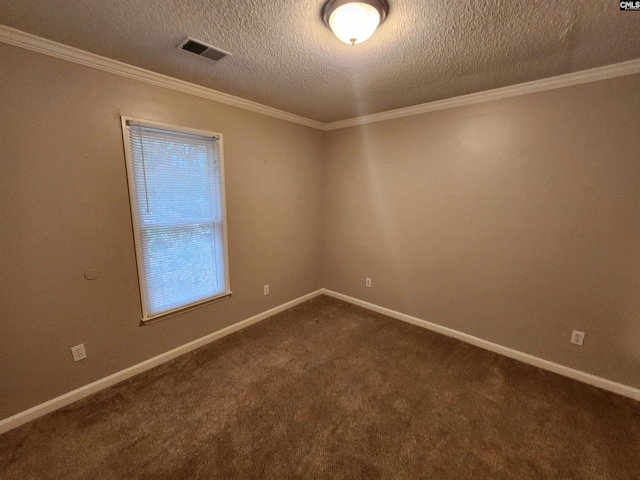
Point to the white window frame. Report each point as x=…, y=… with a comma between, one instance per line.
x=146, y=316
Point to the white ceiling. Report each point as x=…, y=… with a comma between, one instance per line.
x=285, y=57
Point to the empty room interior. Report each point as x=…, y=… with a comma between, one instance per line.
x=320, y=239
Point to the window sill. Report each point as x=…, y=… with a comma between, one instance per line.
x=181, y=310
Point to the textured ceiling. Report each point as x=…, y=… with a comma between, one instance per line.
x=285, y=57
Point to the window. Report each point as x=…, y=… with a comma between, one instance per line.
x=176, y=190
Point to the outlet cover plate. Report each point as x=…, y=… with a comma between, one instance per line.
x=78, y=352
x=577, y=338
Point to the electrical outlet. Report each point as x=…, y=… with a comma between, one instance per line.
x=577, y=337
x=367, y=282
x=266, y=289
x=78, y=352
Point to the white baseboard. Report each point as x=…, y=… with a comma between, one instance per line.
x=63, y=400
x=574, y=374
x=82, y=392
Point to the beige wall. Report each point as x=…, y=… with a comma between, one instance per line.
x=64, y=208
x=515, y=221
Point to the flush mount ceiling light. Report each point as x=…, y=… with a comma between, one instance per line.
x=354, y=21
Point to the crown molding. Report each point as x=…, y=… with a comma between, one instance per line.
x=585, y=76
x=37, y=44
x=34, y=43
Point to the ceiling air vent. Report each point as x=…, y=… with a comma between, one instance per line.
x=202, y=49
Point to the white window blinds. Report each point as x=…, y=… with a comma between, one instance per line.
x=177, y=201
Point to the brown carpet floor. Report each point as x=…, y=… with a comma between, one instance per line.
x=329, y=390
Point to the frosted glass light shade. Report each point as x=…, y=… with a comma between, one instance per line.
x=354, y=22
